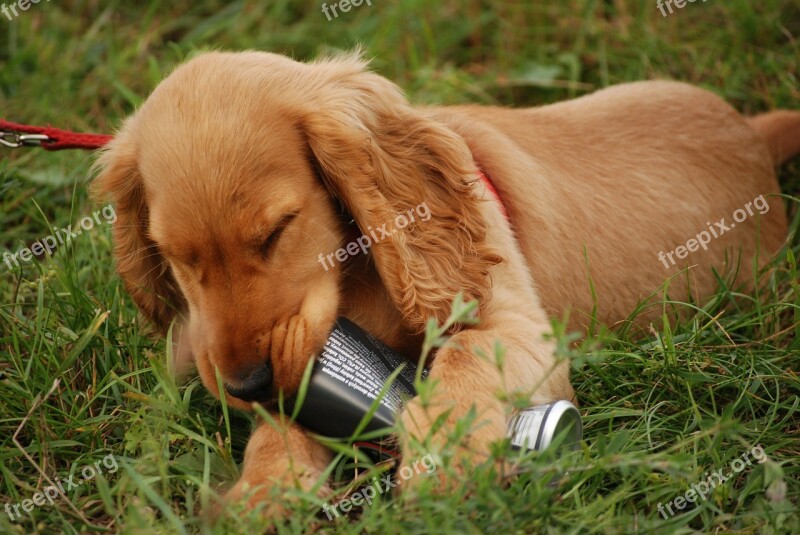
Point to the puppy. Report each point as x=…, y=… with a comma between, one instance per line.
x=241, y=171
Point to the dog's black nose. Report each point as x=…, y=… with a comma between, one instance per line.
x=256, y=387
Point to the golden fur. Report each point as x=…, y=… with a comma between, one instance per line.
x=229, y=145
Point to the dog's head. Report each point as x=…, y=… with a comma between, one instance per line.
x=229, y=184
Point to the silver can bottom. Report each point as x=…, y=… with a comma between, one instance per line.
x=537, y=427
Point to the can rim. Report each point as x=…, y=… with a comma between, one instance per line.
x=554, y=414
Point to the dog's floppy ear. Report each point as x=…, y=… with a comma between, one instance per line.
x=382, y=158
x=146, y=274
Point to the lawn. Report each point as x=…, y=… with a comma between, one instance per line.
x=84, y=384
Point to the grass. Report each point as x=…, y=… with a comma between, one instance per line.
x=80, y=378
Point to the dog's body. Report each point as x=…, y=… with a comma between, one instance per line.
x=225, y=179
x=599, y=184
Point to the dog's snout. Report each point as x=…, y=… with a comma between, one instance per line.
x=255, y=387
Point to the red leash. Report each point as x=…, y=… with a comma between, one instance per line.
x=19, y=135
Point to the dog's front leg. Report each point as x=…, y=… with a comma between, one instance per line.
x=466, y=376
x=279, y=456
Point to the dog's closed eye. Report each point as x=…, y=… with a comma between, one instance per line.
x=268, y=244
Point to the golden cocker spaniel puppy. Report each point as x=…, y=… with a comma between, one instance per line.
x=243, y=170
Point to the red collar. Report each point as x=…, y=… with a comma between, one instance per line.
x=492, y=191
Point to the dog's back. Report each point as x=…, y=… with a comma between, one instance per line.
x=614, y=185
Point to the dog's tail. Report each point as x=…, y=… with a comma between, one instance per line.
x=781, y=130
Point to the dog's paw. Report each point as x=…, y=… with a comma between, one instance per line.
x=258, y=497
x=272, y=496
x=281, y=466
x=269, y=498
x=443, y=429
